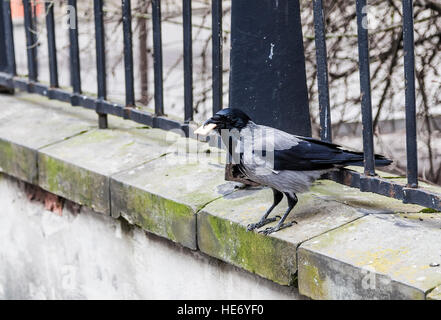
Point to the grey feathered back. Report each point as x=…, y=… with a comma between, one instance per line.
x=257, y=144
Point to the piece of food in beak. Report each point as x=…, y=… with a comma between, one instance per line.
x=204, y=130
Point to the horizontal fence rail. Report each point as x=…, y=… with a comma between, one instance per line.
x=9, y=78
x=407, y=192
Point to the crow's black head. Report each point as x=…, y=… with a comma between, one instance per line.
x=229, y=119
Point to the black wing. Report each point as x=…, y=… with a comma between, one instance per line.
x=299, y=153
x=313, y=154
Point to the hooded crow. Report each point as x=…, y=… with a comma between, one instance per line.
x=286, y=163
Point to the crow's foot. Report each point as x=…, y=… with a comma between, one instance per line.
x=270, y=230
x=261, y=223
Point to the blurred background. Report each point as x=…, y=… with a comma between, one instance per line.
x=387, y=70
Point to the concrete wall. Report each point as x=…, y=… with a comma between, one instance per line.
x=87, y=255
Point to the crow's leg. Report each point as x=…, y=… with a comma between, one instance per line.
x=278, y=196
x=292, y=201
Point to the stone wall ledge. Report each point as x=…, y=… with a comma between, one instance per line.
x=346, y=244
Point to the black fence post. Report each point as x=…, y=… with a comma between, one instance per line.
x=4, y=59
x=268, y=77
x=410, y=99
x=365, y=88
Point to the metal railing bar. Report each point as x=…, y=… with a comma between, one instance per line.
x=347, y=177
x=409, y=76
x=188, y=61
x=217, y=55
x=31, y=41
x=157, y=57
x=128, y=53
x=74, y=52
x=322, y=71
x=100, y=60
x=365, y=88
x=398, y=189
x=52, y=48
x=106, y=107
x=9, y=37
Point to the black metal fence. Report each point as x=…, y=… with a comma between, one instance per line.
x=409, y=193
x=9, y=78
x=366, y=182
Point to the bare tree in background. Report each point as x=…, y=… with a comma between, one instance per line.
x=386, y=50
x=387, y=71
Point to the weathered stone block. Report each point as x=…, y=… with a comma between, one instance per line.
x=367, y=202
x=166, y=202
x=79, y=168
x=25, y=127
x=222, y=230
x=380, y=256
x=18, y=161
x=86, y=187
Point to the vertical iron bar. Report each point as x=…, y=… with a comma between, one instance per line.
x=322, y=71
x=31, y=40
x=9, y=38
x=52, y=48
x=100, y=60
x=74, y=49
x=34, y=18
x=365, y=87
x=128, y=53
x=216, y=20
x=143, y=51
x=157, y=57
x=409, y=74
x=188, y=61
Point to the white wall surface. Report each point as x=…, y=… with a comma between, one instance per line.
x=90, y=256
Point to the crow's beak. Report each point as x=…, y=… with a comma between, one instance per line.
x=205, y=128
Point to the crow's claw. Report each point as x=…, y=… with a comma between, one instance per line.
x=270, y=230
x=261, y=223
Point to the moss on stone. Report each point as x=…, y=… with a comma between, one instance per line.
x=18, y=161
x=154, y=213
x=434, y=294
x=313, y=286
x=366, y=200
x=266, y=256
x=334, y=234
x=429, y=210
x=74, y=183
x=93, y=136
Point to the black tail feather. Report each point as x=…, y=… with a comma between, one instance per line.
x=380, y=160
